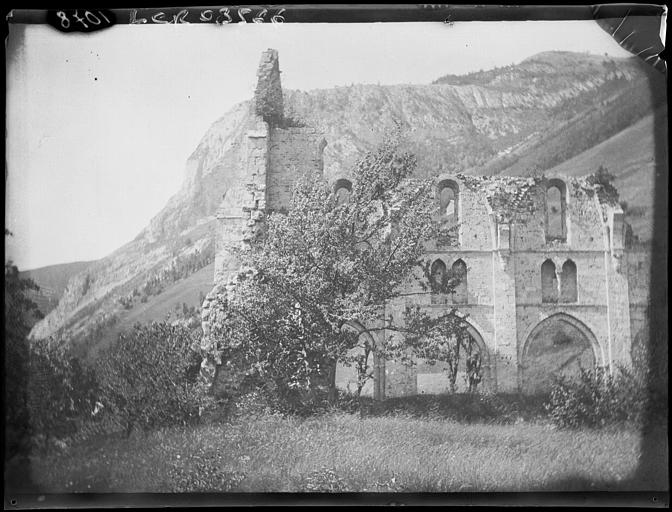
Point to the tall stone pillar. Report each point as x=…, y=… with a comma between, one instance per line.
x=504, y=356
x=241, y=213
x=618, y=302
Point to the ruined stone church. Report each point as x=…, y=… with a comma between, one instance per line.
x=549, y=282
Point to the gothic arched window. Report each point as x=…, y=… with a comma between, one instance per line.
x=568, y=290
x=448, y=200
x=342, y=191
x=459, y=269
x=549, y=282
x=556, y=206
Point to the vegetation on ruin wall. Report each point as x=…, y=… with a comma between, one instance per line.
x=268, y=95
x=508, y=197
x=512, y=198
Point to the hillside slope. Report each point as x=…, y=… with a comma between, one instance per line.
x=52, y=281
x=179, y=300
x=628, y=155
x=495, y=121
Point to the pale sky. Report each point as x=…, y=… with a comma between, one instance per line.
x=100, y=125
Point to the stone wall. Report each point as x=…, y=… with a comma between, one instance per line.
x=292, y=151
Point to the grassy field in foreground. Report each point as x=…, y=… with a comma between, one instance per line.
x=341, y=452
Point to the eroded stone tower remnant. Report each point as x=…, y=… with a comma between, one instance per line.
x=268, y=95
x=274, y=156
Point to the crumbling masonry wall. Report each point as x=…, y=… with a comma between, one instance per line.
x=274, y=156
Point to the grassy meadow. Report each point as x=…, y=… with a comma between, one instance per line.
x=342, y=452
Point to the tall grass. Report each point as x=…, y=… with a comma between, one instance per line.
x=342, y=452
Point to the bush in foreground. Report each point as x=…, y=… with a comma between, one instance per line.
x=61, y=392
x=598, y=399
x=149, y=378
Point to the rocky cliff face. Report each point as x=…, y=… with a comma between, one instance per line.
x=479, y=123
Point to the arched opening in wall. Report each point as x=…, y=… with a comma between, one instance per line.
x=556, y=209
x=549, y=282
x=342, y=191
x=448, y=200
x=559, y=345
x=460, y=292
x=470, y=374
x=437, y=277
x=568, y=288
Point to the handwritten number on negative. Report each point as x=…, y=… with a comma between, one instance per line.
x=80, y=20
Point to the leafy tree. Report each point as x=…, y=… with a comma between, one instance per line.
x=47, y=390
x=20, y=314
x=61, y=391
x=329, y=263
x=149, y=377
x=445, y=339
x=603, y=180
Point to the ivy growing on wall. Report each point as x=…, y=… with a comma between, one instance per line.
x=602, y=183
x=508, y=197
x=268, y=95
x=513, y=197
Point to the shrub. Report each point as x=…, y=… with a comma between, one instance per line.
x=282, y=400
x=20, y=314
x=61, y=392
x=598, y=398
x=244, y=392
x=150, y=377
